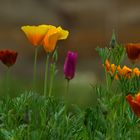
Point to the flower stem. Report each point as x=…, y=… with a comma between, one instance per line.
x=107, y=82
x=28, y=131
x=46, y=75
x=52, y=78
x=35, y=67
x=67, y=87
x=7, y=80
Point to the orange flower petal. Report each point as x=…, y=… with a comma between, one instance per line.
x=113, y=68
x=135, y=72
x=50, y=40
x=53, y=35
x=125, y=71
x=107, y=65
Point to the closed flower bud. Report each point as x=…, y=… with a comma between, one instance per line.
x=70, y=65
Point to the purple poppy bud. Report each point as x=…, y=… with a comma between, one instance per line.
x=70, y=65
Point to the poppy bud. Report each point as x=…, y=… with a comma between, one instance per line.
x=70, y=65
x=113, y=41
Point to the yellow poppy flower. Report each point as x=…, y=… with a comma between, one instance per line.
x=52, y=36
x=35, y=34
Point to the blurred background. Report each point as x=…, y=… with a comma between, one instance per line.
x=90, y=23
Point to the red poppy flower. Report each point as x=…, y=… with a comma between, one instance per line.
x=134, y=103
x=133, y=51
x=8, y=57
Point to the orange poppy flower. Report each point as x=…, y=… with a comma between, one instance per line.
x=52, y=36
x=135, y=72
x=124, y=72
x=134, y=103
x=114, y=71
x=8, y=57
x=111, y=68
x=133, y=51
x=107, y=65
x=36, y=34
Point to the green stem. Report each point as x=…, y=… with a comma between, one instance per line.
x=28, y=131
x=107, y=82
x=52, y=78
x=67, y=87
x=35, y=67
x=46, y=75
x=123, y=97
x=7, y=80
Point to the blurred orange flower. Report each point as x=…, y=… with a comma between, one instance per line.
x=35, y=34
x=52, y=36
x=134, y=103
x=124, y=72
x=8, y=57
x=133, y=51
x=111, y=68
x=135, y=72
x=107, y=65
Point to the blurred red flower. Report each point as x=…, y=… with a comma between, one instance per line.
x=133, y=51
x=8, y=57
x=134, y=103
